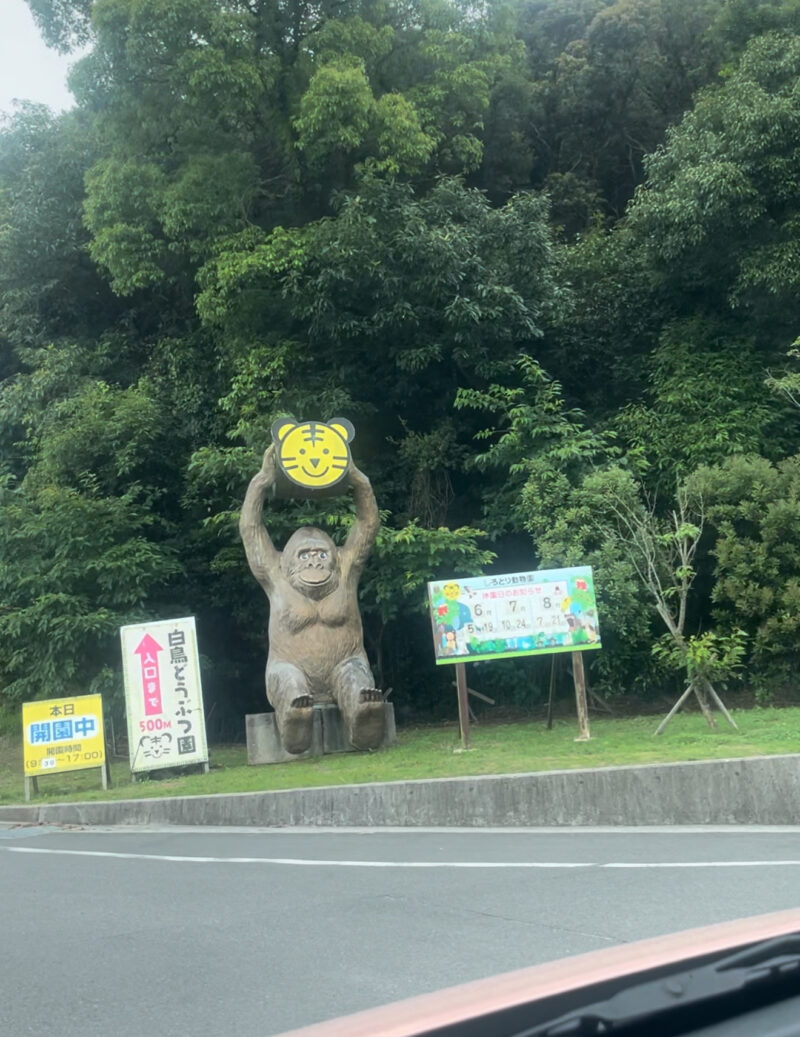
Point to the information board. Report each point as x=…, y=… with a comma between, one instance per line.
x=63, y=735
x=497, y=617
x=163, y=695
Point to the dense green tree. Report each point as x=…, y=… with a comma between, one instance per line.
x=718, y=217
x=386, y=310
x=706, y=400
x=706, y=244
x=558, y=488
x=608, y=79
x=82, y=542
x=754, y=518
x=91, y=446
x=218, y=117
x=415, y=214
x=64, y=24
x=46, y=279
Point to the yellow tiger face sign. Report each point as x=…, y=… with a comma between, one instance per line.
x=451, y=591
x=313, y=454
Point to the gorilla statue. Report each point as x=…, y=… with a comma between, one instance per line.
x=316, y=647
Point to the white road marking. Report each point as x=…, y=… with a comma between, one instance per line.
x=401, y=831
x=304, y=862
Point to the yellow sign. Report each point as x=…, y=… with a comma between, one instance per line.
x=313, y=454
x=63, y=735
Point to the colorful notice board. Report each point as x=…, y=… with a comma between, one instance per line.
x=497, y=617
x=62, y=735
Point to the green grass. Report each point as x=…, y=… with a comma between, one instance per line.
x=434, y=752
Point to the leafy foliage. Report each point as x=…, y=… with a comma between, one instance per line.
x=77, y=567
x=755, y=515
x=707, y=401
x=544, y=253
x=719, y=211
x=712, y=657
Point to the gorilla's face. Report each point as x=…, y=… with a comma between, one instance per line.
x=313, y=565
x=311, y=562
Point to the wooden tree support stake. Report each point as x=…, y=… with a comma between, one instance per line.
x=475, y=694
x=598, y=703
x=721, y=707
x=693, y=687
x=675, y=709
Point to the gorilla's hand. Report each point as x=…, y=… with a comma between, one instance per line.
x=269, y=466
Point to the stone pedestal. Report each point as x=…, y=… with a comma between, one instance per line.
x=264, y=744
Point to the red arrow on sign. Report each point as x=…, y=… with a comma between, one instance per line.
x=147, y=651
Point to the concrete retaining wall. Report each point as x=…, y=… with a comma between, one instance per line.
x=758, y=790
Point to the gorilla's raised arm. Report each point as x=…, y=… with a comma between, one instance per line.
x=362, y=536
x=264, y=560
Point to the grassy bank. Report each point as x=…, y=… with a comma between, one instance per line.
x=434, y=752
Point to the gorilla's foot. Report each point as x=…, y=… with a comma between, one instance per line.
x=296, y=725
x=368, y=720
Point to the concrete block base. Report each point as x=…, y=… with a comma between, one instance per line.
x=264, y=744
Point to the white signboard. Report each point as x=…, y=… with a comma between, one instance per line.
x=163, y=696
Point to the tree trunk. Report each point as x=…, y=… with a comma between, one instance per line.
x=702, y=698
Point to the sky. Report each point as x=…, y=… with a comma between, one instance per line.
x=28, y=69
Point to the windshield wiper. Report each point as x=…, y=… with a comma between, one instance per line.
x=761, y=974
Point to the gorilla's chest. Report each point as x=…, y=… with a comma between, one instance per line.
x=293, y=613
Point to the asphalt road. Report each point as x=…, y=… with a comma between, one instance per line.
x=207, y=932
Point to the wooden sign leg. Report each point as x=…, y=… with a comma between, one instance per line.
x=579, y=677
x=552, y=693
x=463, y=705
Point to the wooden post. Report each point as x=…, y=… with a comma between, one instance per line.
x=580, y=697
x=552, y=692
x=463, y=705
